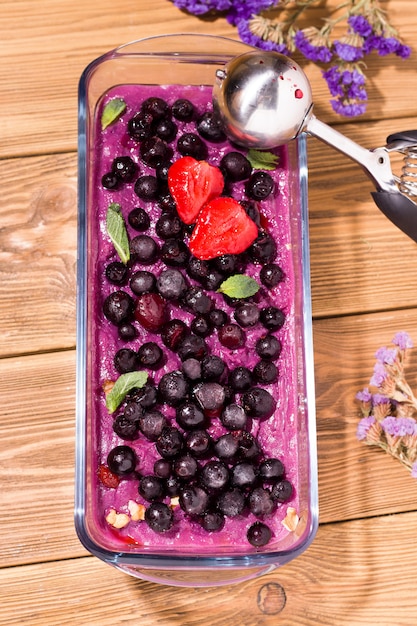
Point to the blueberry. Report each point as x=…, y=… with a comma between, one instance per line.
x=161, y=171
x=259, y=186
x=166, y=129
x=213, y=280
x=192, y=369
x=193, y=500
x=154, y=151
x=125, y=428
x=201, y=326
x=259, y=534
x=146, y=396
x=212, y=521
x=125, y=360
x=235, y=166
x=240, y=379
x=185, y=467
x=139, y=219
x=133, y=410
x=233, y=417
x=169, y=226
x=264, y=249
x=268, y=347
x=152, y=424
x=142, y=281
x=158, y=108
x=258, y=403
x=210, y=396
x=226, y=447
x=173, y=332
x=271, y=469
x=232, y=336
x=150, y=355
x=159, y=517
x=146, y=187
x=243, y=475
x=210, y=126
x=166, y=201
x=110, y=181
x=213, y=367
x=214, y=476
x=247, y=314
x=190, y=416
x=199, y=443
x=282, y=490
x=197, y=300
x=271, y=275
x=124, y=168
x=116, y=272
x=175, y=253
x=144, y=249
x=127, y=332
x=191, y=347
x=151, y=488
x=265, y=372
x=261, y=502
x=139, y=127
x=171, y=284
x=172, y=486
x=197, y=268
x=248, y=447
x=231, y=503
x=183, y=110
x=151, y=311
x=118, y=307
x=162, y=468
x=217, y=317
x=226, y=263
x=190, y=144
x=272, y=318
x=170, y=442
x=173, y=388
x=122, y=460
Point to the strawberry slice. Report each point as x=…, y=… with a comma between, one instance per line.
x=192, y=183
x=107, y=477
x=222, y=227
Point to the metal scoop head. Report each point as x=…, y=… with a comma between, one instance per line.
x=263, y=98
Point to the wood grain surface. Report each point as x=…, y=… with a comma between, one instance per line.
x=360, y=570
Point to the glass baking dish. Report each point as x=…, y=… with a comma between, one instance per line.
x=185, y=61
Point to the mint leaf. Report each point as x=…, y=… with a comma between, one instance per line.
x=262, y=160
x=112, y=111
x=239, y=286
x=116, y=229
x=122, y=386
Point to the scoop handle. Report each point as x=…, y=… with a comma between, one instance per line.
x=399, y=209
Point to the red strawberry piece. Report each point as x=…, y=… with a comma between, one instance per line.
x=222, y=227
x=107, y=477
x=192, y=183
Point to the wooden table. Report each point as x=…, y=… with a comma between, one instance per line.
x=360, y=570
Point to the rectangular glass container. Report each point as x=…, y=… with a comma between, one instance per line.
x=187, y=60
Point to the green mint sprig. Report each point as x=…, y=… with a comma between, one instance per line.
x=116, y=229
x=239, y=286
x=122, y=386
x=112, y=111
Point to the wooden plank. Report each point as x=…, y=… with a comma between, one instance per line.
x=39, y=81
x=358, y=573
x=37, y=435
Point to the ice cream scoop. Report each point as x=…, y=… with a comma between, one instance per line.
x=264, y=100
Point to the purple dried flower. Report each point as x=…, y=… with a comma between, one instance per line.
x=347, y=52
x=364, y=395
x=386, y=355
x=363, y=427
x=403, y=340
x=378, y=398
x=248, y=37
x=360, y=25
x=200, y=7
x=245, y=10
x=379, y=375
x=348, y=109
x=310, y=51
x=414, y=470
x=399, y=426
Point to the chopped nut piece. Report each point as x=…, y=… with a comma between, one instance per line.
x=117, y=520
x=137, y=511
x=108, y=386
x=174, y=502
x=290, y=521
